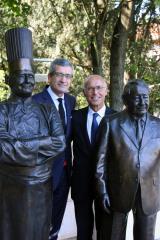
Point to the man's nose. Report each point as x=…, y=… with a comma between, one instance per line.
x=63, y=78
x=26, y=78
x=142, y=100
x=95, y=90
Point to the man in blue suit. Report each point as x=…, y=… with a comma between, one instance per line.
x=84, y=126
x=59, y=78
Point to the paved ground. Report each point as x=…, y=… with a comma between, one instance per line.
x=68, y=230
x=71, y=239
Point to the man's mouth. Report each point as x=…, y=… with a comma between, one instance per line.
x=95, y=98
x=62, y=85
x=141, y=108
x=27, y=85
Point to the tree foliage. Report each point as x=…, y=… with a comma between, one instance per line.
x=83, y=32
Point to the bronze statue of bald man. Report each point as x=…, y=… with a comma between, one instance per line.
x=128, y=164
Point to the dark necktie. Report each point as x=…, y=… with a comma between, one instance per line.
x=94, y=127
x=139, y=130
x=61, y=112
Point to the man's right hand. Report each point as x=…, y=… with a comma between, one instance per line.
x=106, y=203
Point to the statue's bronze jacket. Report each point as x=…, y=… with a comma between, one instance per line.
x=123, y=165
x=31, y=136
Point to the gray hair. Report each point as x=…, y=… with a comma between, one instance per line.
x=61, y=62
x=131, y=85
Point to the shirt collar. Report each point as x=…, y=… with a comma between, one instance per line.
x=143, y=118
x=101, y=112
x=53, y=95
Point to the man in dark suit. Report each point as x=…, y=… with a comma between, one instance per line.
x=59, y=78
x=128, y=164
x=84, y=123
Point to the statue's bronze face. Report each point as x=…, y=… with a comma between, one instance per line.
x=137, y=102
x=22, y=83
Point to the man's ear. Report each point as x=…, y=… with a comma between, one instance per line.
x=49, y=78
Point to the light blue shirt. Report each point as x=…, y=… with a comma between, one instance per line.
x=101, y=114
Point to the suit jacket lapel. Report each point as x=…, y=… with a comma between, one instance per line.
x=47, y=97
x=148, y=131
x=68, y=113
x=108, y=111
x=84, y=125
x=127, y=127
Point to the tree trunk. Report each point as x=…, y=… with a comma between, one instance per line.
x=96, y=58
x=97, y=41
x=118, y=53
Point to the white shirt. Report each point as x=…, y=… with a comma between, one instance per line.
x=55, y=100
x=101, y=114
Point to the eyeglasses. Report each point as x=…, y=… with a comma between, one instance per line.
x=61, y=75
x=97, y=88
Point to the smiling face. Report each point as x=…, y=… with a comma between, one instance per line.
x=60, y=79
x=22, y=83
x=95, y=92
x=137, y=102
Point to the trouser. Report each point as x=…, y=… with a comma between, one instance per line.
x=84, y=219
x=103, y=223
x=60, y=195
x=144, y=225
x=85, y=215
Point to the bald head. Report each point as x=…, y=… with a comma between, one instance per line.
x=95, y=91
x=93, y=78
